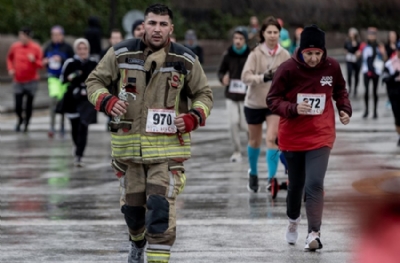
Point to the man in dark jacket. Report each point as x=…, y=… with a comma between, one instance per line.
x=229, y=74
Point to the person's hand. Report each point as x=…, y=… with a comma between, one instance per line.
x=45, y=61
x=180, y=123
x=119, y=108
x=11, y=72
x=303, y=108
x=382, y=49
x=57, y=58
x=225, y=80
x=268, y=76
x=31, y=57
x=344, y=117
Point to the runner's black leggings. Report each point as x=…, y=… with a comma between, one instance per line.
x=353, y=68
x=19, y=98
x=307, y=172
x=79, y=133
x=375, y=82
x=394, y=97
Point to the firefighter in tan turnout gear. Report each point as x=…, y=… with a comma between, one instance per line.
x=150, y=130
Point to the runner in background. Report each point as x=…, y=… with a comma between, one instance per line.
x=191, y=42
x=373, y=57
x=284, y=38
x=24, y=59
x=137, y=29
x=229, y=74
x=75, y=103
x=258, y=74
x=392, y=79
x=296, y=40
x=353, y=59
x=391, y=43
x=253, y=31
x=55, y=54
x=115, y=38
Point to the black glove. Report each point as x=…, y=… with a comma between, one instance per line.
x=74, y=75
x=268, y=76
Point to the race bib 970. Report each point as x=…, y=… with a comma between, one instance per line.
x=237, y=86
x=316, y=101
x=161, y=121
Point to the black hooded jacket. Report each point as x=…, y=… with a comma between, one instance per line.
x=93, y=34
x=233, y=63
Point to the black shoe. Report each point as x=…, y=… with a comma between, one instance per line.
x=18, y=125
x=283, y=186
x=398, y=143
x=253, y=183
x=26, y=128
x=365, y=115
x=375, y=116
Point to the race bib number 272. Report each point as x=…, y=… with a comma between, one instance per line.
x=316, y=101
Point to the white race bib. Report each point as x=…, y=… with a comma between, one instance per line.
x=53, y=64
x=161, y=121
x=378, y=65
x=237, y=86
x=317, y=102
x=351, y=57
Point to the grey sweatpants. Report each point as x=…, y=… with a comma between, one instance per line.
x=237, y=122
x=306, y=171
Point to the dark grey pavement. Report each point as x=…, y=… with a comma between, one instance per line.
x=51, y=211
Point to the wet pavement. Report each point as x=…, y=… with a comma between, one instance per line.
x=51, y=211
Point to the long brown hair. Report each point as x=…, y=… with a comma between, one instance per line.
x=269, y=21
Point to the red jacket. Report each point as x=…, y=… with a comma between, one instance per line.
x=17, y=60
x=307, y=132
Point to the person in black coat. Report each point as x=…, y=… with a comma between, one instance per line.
x=229, y=74
x=191, y=43
x=93, y=34
x=75, y=102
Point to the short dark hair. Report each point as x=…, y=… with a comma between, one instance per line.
x=159, y=9
x=115, y=30
x=269, y=21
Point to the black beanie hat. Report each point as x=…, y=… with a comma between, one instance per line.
x=241, y=30
x=27, y=31
x=312, y=37
x=136, y=24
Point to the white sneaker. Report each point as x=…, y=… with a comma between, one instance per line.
x=291, y=232
x=313, y=241
x=236, y=157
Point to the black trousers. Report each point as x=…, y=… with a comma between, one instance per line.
x=353, y=68
x=19, y=99
x=394, y=97
x=306, y=172
x=79, y=132
x=375, y=82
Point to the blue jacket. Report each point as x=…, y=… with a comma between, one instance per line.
x=64, y=50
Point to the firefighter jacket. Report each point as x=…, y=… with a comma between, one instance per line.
x=170, y=80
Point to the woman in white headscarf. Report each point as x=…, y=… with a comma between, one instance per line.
x=75, y=103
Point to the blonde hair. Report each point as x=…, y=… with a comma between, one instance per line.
x=79, y=41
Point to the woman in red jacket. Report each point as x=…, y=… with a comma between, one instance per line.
x=301, y=93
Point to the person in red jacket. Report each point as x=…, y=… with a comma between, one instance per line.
x=301, y=94
x=23, y=61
